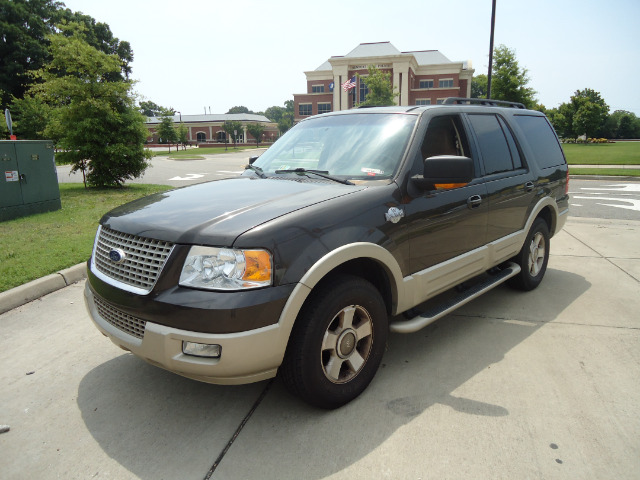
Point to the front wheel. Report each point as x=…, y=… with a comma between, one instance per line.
x=337, y=343
x=533, y=257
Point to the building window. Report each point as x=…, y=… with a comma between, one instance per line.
x=324, y=108
x=222, y=136
x=364, y=91
x=317, y=88
x=201, y=137
x=305, y=109
x=423, y=101
x=446, y=83
x=426, y=83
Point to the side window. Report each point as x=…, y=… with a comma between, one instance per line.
x=498, y=153
x=513, y=148
x=542, y=140
x=445, y=136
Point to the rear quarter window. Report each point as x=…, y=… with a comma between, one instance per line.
x=542, y=139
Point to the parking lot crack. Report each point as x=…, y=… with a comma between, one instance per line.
x=238, y=430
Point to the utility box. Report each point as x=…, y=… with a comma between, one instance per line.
x=30, y=183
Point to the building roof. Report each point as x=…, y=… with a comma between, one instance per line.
x=221, y=117
x=384, y=49
x=429, y=57
x=378, y=49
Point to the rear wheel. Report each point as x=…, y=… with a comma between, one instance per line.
x=337, y=343
x=533, y=257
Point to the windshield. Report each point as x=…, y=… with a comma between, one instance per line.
x=359, y=146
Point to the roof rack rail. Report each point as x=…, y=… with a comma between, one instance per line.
x=482, y=101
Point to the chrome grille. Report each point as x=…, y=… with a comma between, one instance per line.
x=119, y=319
x=143, y=263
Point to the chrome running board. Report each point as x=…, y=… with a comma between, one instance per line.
x=422, y=320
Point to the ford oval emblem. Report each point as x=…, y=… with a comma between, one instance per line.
x=117, y=255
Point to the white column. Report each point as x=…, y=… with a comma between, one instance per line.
x=405, y=88
x=337, y=88
x=396, y=84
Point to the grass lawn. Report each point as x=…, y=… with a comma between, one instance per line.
x=34, y=246
x=619, y=153
x=196, y=153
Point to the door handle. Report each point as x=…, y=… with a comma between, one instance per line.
x=474, y=201
x=529, y=186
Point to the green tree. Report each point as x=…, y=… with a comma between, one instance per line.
x=256, y=130
x=282, y=116
x=31, y=116
x=508, y=80
x=622, y=124
x=587, y=119
x=585, y=113
x=239, y=109
x=381, y=92
x=274, y=113
x=166, y=130
x=479, y=86
x=24, y=29
x=233, y=128
x=151, y=109
x=99, y=36
x=285, y=122
x=93, y=116
x=23, y=44
x=183, y=134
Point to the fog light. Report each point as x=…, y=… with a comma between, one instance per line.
x=201, y=350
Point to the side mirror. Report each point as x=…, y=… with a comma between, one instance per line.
x=445, y=171
x=252, y=160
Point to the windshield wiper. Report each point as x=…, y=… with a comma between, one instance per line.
x=320, y=173
x=258, y=170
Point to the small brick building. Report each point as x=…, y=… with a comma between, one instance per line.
x=421, y=78
x=207, y=129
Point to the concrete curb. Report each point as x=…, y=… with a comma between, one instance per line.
x=28, y=292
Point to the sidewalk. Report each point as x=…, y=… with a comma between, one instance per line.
x=630, y=167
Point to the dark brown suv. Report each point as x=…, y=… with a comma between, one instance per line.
x=339, y=233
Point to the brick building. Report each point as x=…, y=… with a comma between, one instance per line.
x=207, y=129
x=421, y=78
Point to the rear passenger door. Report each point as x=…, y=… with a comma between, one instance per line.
x=510, y=184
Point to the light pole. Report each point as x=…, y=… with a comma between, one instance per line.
x=493, y=24
x=183, y=147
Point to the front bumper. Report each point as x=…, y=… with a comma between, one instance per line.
x=246, y=357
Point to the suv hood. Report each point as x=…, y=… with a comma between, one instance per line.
x=216, y=213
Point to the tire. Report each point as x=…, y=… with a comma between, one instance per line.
x=533, y=257
x=337, y=343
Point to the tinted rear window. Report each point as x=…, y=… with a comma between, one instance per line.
x=541, y=139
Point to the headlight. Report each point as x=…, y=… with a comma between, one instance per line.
x=226, y=269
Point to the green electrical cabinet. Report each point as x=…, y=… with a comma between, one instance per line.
x=30, y=182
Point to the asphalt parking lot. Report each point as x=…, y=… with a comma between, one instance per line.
x=540, y=385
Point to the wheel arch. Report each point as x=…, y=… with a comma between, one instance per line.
x=547, y=209
x=366, y=260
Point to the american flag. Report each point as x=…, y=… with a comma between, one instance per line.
x=349, y=84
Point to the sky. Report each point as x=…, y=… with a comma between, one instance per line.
x=196, y=55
